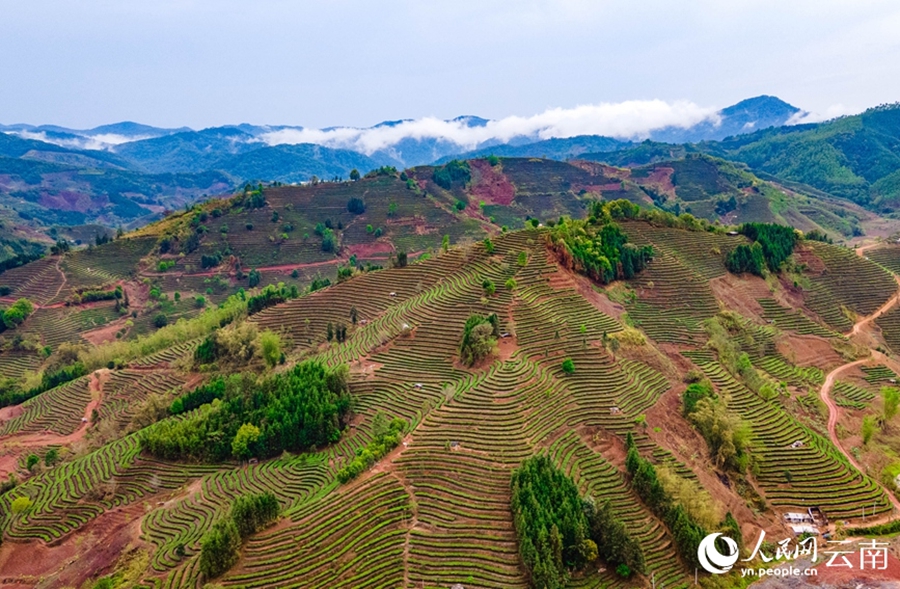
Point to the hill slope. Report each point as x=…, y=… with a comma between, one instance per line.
x=432, y=507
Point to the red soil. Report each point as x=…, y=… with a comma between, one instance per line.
x=76, y=558
x=490, y=185
x=366, y=250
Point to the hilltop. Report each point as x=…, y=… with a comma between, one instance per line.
x=614, y=341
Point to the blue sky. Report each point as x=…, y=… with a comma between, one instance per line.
x=345, y=62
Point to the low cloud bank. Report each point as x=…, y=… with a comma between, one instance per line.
x=633, y=119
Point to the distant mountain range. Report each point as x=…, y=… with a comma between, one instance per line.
x=400, y=143
x=129, y=174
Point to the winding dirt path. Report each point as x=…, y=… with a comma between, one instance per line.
x=865, y=321
x=831, y=377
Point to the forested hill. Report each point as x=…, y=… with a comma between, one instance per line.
x=855, y=157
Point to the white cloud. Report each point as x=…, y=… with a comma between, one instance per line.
x=97, y=142
x=633, y=119
x=832, y=112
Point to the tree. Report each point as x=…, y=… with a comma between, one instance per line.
x=253, y=278
x=614, y=542
x=353, y=315
x=17, y=313
x=568, y=366
x=20, y=504
x=869, y=427
x=402, y=259
x=329, y=331
x=219, y=548
x=161, y=320
x=329, y=242
x=254, y=512
x=247, y=435
x=270, y=344
x=392, y=209
x=489, y=287
x=51, y=457
x=523, y=258
x=445, y=243
x=891, y=398
x=31, y=461
x=511, y=284
x=550, y=522
x=488, y=245
x=746, y=258
x=356, y=206
x=479, y=338
x=354, y=174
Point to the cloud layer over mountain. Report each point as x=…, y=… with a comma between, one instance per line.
x=632, y=119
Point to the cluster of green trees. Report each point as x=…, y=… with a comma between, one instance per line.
x=329, y=240
x=16, y=314
x=386, y=434
x=295, y=410
x=726, y=435
x=220, y=547
x=211, y=260
x=270, y=296
x=597, y=246
x=615, y=544
x=89, y=296
x=336, y=332
x=479, y=338
x=455, y=172
x=550, y=522
x=686, y=532
x=11, y=392
x=23, y=258
x=746, y=258
x=771, y=245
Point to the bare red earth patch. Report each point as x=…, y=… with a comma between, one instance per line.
x=491, y=185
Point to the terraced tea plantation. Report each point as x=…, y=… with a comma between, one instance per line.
x=413, y=486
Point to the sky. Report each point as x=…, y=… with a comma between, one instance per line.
x=199, y=63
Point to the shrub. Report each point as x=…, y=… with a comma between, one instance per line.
x=386, y=436
x=253, y=278
x=20, y=504
x=568, y=366
x=270, y=343
x=51, y=457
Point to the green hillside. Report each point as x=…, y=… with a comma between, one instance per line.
x=855, y=157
